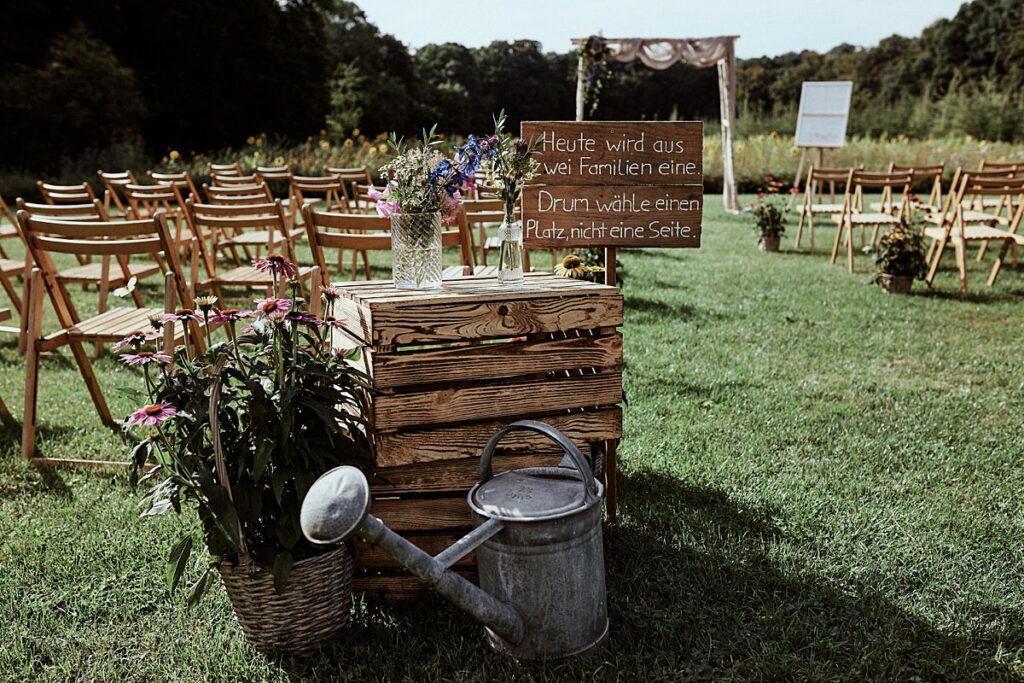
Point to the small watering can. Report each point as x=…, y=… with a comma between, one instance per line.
x=538, y=540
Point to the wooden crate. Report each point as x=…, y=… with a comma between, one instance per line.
x=452, y=366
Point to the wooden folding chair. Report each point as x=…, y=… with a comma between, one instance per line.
x=279, y=178
x=361, y=232
x=112, y=183
x=255, y=225
x=814, y=195
x=477, y=215
x=993, y=170
x=68, y=194
x=352, y=177
x=10, y=268
x=922, y=175
x=327, y=192
x=361, y=199
x=118, y=240
x=849, y=217
x=224, y=169
x=962, y=226
x=181, y=182
x=234, y=180
x=238, y=194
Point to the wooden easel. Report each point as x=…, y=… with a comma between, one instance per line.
x=803, y=164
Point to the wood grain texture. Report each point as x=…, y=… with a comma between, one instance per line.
x=617, y=152
x=466, y=440
x=436, y=513
x=456, y=476
x=469, y=320
x=395, y=587
x=612, y=215
x=455, y=364
x=513, y=399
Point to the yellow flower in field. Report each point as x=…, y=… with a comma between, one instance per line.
x=259, y=142
x=361, y=138
x=325, y=144
x=774, y=135
x=174, y=154
x=250, y=140
x=372, y=151
x=355, y=132
x=349, y=142
x=256, y=155
x=382, y=148
x=164, y=160
x=279, y=161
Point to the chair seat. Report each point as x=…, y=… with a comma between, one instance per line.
x=7, y=231
x=248, y=275
x=870, y=219
x=112, y=325
x=823, y=208
x=10, y=266
x=257, y=238
x=974, y=233
x=93, y=272
x=5, y=314
x=898, y=206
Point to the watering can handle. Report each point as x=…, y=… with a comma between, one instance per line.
x=547, y=430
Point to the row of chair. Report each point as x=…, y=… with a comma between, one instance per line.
x=982, y=205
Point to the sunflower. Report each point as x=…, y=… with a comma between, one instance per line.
x=571, y=266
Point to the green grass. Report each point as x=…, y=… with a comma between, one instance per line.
x=819, y=482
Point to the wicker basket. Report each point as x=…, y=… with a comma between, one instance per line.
x=314, y=608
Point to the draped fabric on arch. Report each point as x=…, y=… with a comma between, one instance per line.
x=661, y=53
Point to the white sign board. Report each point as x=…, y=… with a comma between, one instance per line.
x=824, y=112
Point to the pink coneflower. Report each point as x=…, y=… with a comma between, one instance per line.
x=330, y=294
x=145, y=358
x=276, y=264
x=135, y=339
x=331, y=321
x=182, y=314
x=152, y=414
x=273, y=308
x=230, y=315
x=304, y=317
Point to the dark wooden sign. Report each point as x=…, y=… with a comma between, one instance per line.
x=615, y=184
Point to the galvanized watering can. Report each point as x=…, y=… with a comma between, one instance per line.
x=538, y=541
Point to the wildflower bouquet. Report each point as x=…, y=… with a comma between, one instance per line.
x=900, y=253
x=288, y=408
x=509, y=165
x=420, y=179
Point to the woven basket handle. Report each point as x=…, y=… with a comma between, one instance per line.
x=218, y=453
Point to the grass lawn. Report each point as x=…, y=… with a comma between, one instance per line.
x=819, y=482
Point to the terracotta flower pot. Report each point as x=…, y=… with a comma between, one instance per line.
x=896, y=284
x=769, y=243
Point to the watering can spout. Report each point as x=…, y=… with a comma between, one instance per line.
x=337, y=507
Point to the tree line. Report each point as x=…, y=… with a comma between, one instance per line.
x=97, y=81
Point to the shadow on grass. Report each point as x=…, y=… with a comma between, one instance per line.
x=644, y=310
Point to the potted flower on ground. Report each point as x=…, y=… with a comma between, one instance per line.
x=900, y=259
x=239, y=433
x=770, y=210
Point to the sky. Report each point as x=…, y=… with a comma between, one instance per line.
x=765, y=27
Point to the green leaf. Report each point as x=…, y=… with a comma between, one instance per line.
x=288, y=531
x=177, y=561
x=278, y=479
x=201, y=587
x=282, y=570
x=259, y=464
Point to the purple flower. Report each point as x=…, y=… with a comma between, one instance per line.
x=182, y=314
x=385, y=207
x=230, y=315
x=303, y=317
x=275, y=309
x=152, y=414
x=276, y=264
x=520, y=147
x=135, y=339
x=145, y=358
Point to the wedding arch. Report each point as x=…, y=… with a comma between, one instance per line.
x=661, y=53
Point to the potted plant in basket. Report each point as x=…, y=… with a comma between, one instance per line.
x=240, y=433
x=423, y=189
x=900, y=258
x=770, y=210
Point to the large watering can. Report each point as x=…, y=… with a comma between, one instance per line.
x=537, y=540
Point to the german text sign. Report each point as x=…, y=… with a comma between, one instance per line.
x=616, y=184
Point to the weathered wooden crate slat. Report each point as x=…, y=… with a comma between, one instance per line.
x=452, y=366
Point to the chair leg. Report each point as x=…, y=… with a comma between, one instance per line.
x=961, y=262
x=997, y=266
x=34, y=304
x=366, y=264
x=800, y=228
x=835, y=245
x=849, y=247
x=982, y=249
x=810, y=229
x=940, y=248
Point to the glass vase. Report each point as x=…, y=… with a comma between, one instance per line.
x=416, y=250
x=510, y=254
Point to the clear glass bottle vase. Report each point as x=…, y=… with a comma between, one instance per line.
x=510, y=255
x=416, y=250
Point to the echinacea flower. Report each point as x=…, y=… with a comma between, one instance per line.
x=206, y=303
x=134, y=340
x=229, y=315
x=276, y=264
x=304, y=317
x=182, y=314
x=330, y=294
x=156, y=321
x=145, y=358
x=152, y=414
x=571, y=266
x=273, y=308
